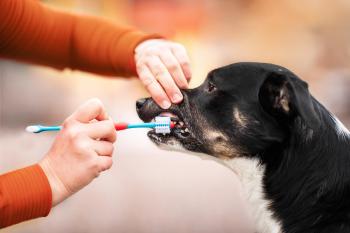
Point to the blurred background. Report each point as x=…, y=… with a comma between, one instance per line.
x=149, y=190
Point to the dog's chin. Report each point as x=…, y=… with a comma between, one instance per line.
x=176, y=142
x=166, y=141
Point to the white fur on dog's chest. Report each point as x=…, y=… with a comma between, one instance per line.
x=251, y=173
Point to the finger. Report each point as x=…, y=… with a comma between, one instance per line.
x=103, y=148
x=182, y=57
x=104, y=163
x=174, y=68
x=161, y=74
x=101, y=130
x=92, y=109
x=153, y=87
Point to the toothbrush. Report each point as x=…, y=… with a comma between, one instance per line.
x=161, y=125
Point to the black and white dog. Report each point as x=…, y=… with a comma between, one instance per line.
x=292, y=155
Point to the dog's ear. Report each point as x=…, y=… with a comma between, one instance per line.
x=286, y=97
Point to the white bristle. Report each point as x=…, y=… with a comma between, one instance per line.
x=32, y=129
x=162, y=124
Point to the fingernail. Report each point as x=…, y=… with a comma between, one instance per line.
x=166, y=104
x=177, y=98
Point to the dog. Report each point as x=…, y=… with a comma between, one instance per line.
x=291, y=154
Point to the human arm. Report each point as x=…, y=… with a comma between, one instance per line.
x=35, y=33
x=81, y=151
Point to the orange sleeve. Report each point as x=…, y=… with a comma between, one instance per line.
x=24, y=194
x=32, y=32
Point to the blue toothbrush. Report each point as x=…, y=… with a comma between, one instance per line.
x=161, y=125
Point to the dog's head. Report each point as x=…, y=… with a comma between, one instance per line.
x=240, y=109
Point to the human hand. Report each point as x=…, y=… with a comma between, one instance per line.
x=163, y=67
x=81, y=151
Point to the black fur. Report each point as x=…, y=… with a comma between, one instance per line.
x=266, y=111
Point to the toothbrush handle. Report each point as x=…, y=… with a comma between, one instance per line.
x=51, y=128
x=120, y=126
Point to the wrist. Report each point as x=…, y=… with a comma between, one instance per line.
x=58, y=189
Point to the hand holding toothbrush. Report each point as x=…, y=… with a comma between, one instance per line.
x=81, y=151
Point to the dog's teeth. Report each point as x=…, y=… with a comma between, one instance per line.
x=175, y=119
x=187, y=130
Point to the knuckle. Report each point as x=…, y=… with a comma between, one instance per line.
x=152, y=50
x=94, y=167
x=110, y=124
x=71, y=131
x=168, y=84
x=158, y=68
x=172, y=91
x=159, y=97
x=113, y=135
x=154, y=65
x=185, y=63
x=172, y=67
x=67, y=123
x=109, y=129
x=161, y=74
x=106, y=165
x=80, y=145
x=96, y=172
x=110, y=149
x=109, y=164
x=147, y=80
x=114, y=139
x=104, y=126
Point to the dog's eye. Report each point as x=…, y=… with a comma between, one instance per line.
x=211, y=87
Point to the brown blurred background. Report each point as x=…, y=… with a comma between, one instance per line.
x=149, y=190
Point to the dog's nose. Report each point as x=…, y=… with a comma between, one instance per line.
x=140, y=103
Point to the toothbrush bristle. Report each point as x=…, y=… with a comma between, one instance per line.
x=163, y=124
x=32, y=129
